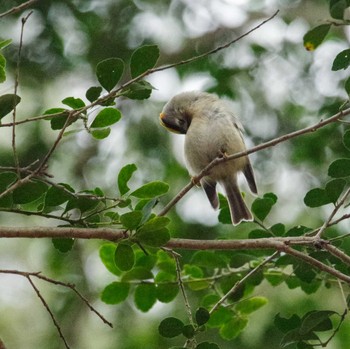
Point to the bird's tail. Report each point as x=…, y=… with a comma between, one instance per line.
x=238, y=209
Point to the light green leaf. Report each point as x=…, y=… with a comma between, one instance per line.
x=74, y=103
x=124, y=176
x=106, y=117
x=107, y=256
x=101, y=133
x=232, y=329
x=151, y=190
x=250, y=305
x=115, y=293
x=145, y=296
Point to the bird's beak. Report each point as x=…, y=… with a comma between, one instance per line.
x=165, y=122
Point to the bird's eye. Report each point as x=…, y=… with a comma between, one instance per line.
x=181, y=122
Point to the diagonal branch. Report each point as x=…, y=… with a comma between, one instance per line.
x=18, y=8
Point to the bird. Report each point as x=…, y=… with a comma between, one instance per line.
x=211, y=130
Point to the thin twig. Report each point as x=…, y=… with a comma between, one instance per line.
x=335, y=210
x=48, y=310
x=239, y=283
x=18, y=8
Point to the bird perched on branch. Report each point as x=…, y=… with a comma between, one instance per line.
x=212, y=130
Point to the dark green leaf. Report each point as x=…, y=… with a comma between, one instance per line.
x=339, y=168
x=115, y=293
x=107, y=256
x=170, y=327
x=83, y=204
x=337, y=8
x=316, y=197
x=294, y=336
x=143, y=58
x=278, y=229
x=139, y=90
x=207, y=345
x=2, y=68
x=93, y=93
x=124, y=257
x=74, y=103
x=56, y=196
x=63, y=244
x=106, y=117
x=8, y=103
x=285, y=325
x=317, y=321
x=208, y=259
x=346, y=137
x=151, y=190
x=188, y=331
x=124, y=177
x=298, y=231
x=261, y=207
x=101, y=133
x=304, y=272
x=202, y=316
x=314, y=37
x=342, y=60
x=29, y=192
x=347, y=89
x=6, y=180
x=131, y=220
x=154, y=238
x=334, y=188
x=145, y=296
x=109, y=72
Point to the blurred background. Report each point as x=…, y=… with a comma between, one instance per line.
x=275, y=87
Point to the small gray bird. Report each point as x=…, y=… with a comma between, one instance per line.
x=211, y=130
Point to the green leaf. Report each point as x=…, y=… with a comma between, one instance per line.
x=261, y=207
x=208, y=259
x=29, y=192
x=6, y=180
x=170, y=327
x=143, y=58
x=314, y=37
x=342, y=60
x=347, y=89
x=124, y=257
x=5, y=43
x=317, y=321
x=339, y=168
x=93, y=93
x=287, y=324
x=202, y=316
x=137, y=273
x=8, y=103
x=2, y=68
x=151, y=190
x=56, y=196
x=115, y=293
x=231, y=329
x=337, y=8
x=334, y=188
x=106, y=117
x=154, y=238
x=145, y=296
x=294, y=336
x=188, y=331
x=109, y=72
x=219, y=317
x=107, y=256
x=166, y=289
x=139, y=90
x=250, y=305
x=63, y=244
x=346, y=137
x=124, y=176
x=153, y=224
x=131, y=220
x=74, y=103
x=58, y=121
x=101, y=133
x=316, y=197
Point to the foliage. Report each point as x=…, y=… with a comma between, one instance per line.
x=213, y=289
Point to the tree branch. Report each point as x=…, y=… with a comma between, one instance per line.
x=18, y=8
